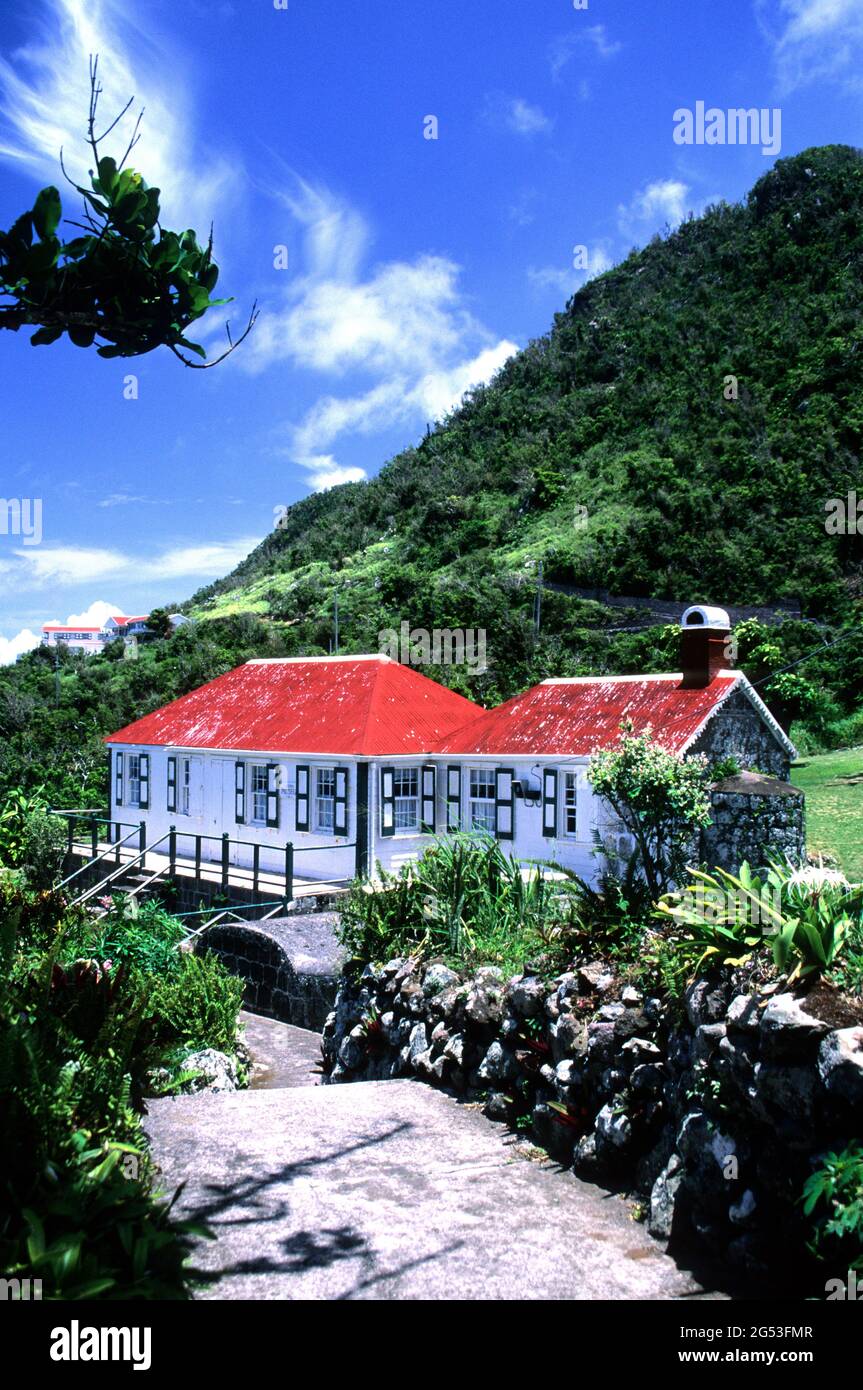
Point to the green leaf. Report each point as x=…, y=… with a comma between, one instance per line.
x=44, y=336
x=107, y=175
x=47, y=211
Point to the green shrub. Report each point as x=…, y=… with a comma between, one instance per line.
x=197, y=1004
x=833, y=1199
x=464, y=899
x=139, y=935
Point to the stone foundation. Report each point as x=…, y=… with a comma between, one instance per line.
x=291, y=965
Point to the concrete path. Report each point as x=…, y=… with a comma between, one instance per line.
x=281, y=1054
x=391, y=1190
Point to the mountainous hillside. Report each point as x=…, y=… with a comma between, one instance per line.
x=609, y=451
x=613, y=452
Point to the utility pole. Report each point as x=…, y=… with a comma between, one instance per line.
x=537, y=603
x=336, y=623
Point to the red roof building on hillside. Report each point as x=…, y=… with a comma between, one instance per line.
x=344, y=706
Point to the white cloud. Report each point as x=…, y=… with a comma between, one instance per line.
x=813, y=39
x=594, y=36
x=94, y=616
x=661, y=202
x=565, y=281
x=12, y=647
x=69, y=566
x=403, y=324
x=44, y=96
x=516, y=114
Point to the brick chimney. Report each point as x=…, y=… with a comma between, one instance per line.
x=704, y=634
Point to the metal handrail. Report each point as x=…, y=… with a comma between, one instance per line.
x=103, y=854
x=118, y=872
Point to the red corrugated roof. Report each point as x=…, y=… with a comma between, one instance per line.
x=343, y=706
x=575, y=717
x=67, y=627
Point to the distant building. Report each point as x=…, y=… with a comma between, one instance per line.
x=94, y=639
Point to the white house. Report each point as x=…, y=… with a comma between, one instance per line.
x=359, y=759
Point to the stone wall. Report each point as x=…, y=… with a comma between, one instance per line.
x=753, y=818
x=738, y=731
x=291, y=966
x=710, y=1116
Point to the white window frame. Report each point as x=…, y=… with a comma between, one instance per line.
x=569, y=785
x=133, y=780
x=258, y=794
x=324, y=819
x=184, y=800
x=483, y=776
x=405, y=820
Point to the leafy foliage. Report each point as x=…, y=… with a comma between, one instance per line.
x=127, y=282
x=660, y=798
x=833, y=1198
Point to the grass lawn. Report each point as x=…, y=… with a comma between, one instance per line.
x=833, y=783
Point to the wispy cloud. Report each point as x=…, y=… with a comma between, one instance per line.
x=813, y=40
x=593, y=38
x=515, y=114
x=664, y=202
x=71, y=566
x=402, y=325
x=44, y=95
x=565, y=281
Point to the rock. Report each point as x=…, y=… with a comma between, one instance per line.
x=788, y=1031
x=708, y=1037
x=496, y=1106
x=417, y=1043
x=585, y=1159
x=455, y=1049
x=783, y=1094
x=613, y=1128
x=497, y=1064
x=663, y=1198
x=353, y=1052
x=570, y=1036
x=610, y=1013
x=567, y=1073
x=648, y=1079
x=744, y=1015
x=484, y=1002
x=741, y=1213
x=567, y=986
x=527, y=996
x=631, y=997
x=638, y=1050
x=706, y=1002
x=840, y=1065
x=600, y=1043
x=437, y=978
x=218, y=1071
x=440, y=1034
x=594, y=978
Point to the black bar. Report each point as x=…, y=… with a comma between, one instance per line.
x=289, y=873
x=225, y=857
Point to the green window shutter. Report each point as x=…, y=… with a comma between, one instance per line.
x=340, y=805
x=303, y=798
x=172, y=784
x=118, y=779
x=503, y=803
x=549, y=803
x=272, y=795
x=240, y=793
x=453, y=798
x=388, y=805
x=144, y=774
x=427, y=800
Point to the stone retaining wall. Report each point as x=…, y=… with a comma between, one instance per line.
x=291, y=966
x=711, y=1117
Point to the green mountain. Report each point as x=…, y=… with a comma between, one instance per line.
x=678, y=434
x=608, y=450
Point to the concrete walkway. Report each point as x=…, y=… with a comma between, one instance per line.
x=391, y=1190
x=282, y=1055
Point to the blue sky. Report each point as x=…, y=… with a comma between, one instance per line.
x=415, y=266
